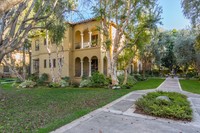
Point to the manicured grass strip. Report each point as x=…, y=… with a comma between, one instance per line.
x=177, y=108
x=149, y=84
x=190, y=85
x=44, y=109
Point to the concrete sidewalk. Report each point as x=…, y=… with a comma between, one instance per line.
x=119, y=116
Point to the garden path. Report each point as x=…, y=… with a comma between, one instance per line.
x=119, y=116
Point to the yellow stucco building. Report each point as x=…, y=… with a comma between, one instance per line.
x=82, y=52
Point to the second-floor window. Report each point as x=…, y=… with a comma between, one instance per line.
x=45, y=63
x=54, y=63
x=94, y=40
x=37, y=46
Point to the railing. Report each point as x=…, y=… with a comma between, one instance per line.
x=85, y=45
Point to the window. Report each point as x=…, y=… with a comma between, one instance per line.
x=37, y=46
x=54, y=63
x=45, y=43
x=45, y=63
x=94, y=40
x=50, y=63
x=36, y=65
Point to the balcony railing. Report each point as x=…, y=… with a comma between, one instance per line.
x=85, y=45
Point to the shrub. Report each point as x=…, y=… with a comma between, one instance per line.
x=98, y=80
x=130, y=80
x=67, y=79
x=54, y=84
x=63, y=83
x=85, y=83
x=191, y=74
x=139, y=77
x=34, y=77
x=177, y=108
x=27, y=84
x=43, y=79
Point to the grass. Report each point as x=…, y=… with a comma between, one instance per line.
x=191, y=85
x=44, y=109
x=177, y=108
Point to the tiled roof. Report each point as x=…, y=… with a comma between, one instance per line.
x=83, y=21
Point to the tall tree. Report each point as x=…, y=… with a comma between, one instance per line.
x=184, y=49
x=120, y=14
x=191, y=9
x=28, y=15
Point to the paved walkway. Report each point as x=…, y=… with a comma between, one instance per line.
x=119, y=116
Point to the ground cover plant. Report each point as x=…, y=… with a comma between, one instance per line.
x=190, y=85
x=43, y=109
x=177, y=108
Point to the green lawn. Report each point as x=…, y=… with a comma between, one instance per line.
x=45, y=109
x=191, y=85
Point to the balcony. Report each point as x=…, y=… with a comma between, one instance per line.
x=85, y=45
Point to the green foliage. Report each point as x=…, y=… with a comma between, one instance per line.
x=34, y=77
x=43, y=79
x=191, y=74
x=85, y=83
x=63, y=83
x=27, y=84
x=98, y=80
x=131, y=81
x=191, y=10
x=177, y=108
x=54, y=85
x=139, y=77
x=67, y=79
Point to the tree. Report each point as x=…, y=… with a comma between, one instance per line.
x=27, y=16
x=191, y=9
x=121, y=14
x=5, y=5
x=184, y=49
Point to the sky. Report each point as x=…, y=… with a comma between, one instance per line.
x=172, y=15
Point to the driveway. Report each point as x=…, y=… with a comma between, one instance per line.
x=119, y=116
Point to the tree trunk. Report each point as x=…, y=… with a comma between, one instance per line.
x=50, y=59
x=5, y=5
x=125, y=76
x=24, y=63
x=13, y=69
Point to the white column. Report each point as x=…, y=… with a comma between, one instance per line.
x=82, y=40
x=81, y=68
x=90, y=69
x=90, y=38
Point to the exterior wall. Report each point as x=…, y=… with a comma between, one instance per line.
x=84, y=34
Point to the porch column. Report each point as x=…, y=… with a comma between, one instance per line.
x=90, y=68
x=81, y=68
x=90, y=39
x=82, y=40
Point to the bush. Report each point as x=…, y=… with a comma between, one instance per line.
x=177, y=108
x=27, y=84
x=43, y=79
x=54, y=84
x=63, y=83
x=67, y=79
x=139, y=77
x=130, y=81
x=34, y=77
x=85, y=83
x=191, y=74
x=98, y=80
